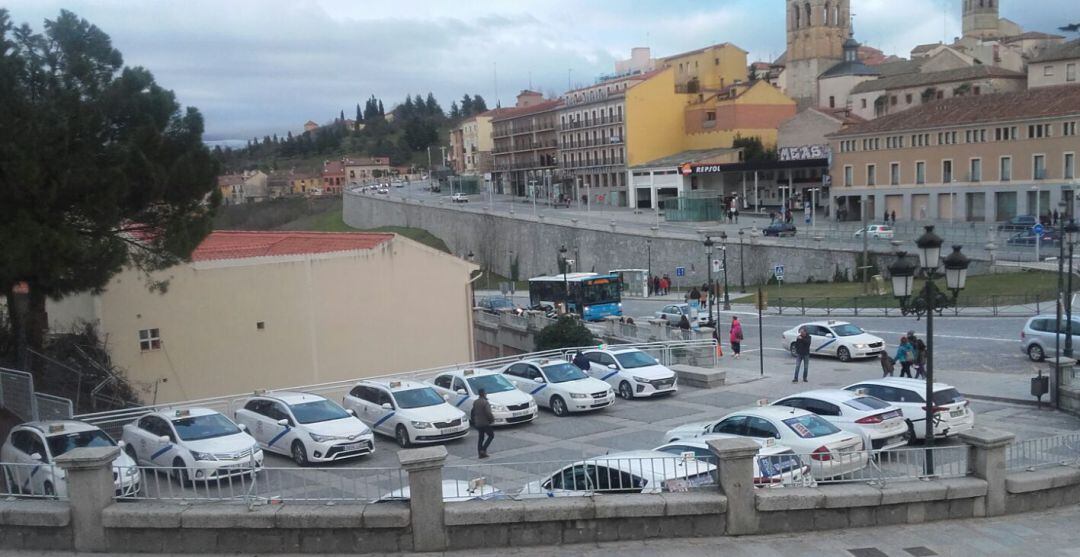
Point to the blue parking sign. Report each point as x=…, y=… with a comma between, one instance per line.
x=680, y=271
x=1038, y=229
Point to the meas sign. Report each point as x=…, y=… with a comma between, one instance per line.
x=805, y=152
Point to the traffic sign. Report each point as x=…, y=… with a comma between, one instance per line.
x=778, y=271
x=717, y=265
x=1038, y=229
x=680, y=271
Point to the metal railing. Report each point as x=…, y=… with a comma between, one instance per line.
x=17, y=393
x=1045, y=452
x=880, y=468
x=37, y=480
x=51, y=407
x=990, y=305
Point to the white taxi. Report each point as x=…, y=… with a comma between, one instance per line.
x=409, y=411
x=836, y=338
x=508, y=405
x=196, y=444
x=829, y=451
x=306, y=427
x=560, y=386
x=31, y=449
x=775, y=465
x=881, y=425
x=951, y=412
x=628, y=472
x=631, y=372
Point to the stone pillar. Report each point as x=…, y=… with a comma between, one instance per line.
x=90, y=489
x=987, y=461
x=1060, y=374
x=735, y=458
x=425, y=496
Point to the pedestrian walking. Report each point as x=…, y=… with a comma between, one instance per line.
x=735, y=337
x=919, y=348
x=905, y=356
x=684, y=325
x=736, y=215
x=887, y=365
x=482, y=418
x=716, y=339
x=802, y=355
x=1056, y=217
x=581, y=361
x=894, y=218
x=656, y=285
x=695, y=297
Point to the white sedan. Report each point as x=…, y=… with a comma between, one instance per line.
x=194, y=444
x=508, y=405
x=881, y=425
x=628, y=472
x=836, y=338
x=560, y=386
x=31, y=450
x=775, y=465
x=631, y=372
x=950, y=412
x=829, y=451
x=409, y=411
x=306, y=427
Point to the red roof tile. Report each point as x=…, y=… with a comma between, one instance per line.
x=227, y=244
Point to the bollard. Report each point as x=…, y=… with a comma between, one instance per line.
x=987, y=461
x=735, y=463
x=426, y=507
x=90, y=489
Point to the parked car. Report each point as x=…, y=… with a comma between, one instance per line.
x=1026, y=238
x=195, y=444
x=306, y=427
x=832, y=452
x=779, y=229
x=508, y=404
x=1038, y=337
x=631, y=372
x=877, y=231
x=496, y=304
x=951, y=411
x=1019, y=222
x=33, y=444
x=627, y=472
x=409, y=411
x=836, y=338
x=881, y=425
x=454, y=491
x=459, y=198
x=560, y=386
x=775, y=465
x=673, y=313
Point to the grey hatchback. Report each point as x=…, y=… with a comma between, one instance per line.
x=1037, y=338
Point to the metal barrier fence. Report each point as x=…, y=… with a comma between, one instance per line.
x=992, y=305
x=17, y=393
x=50, y=407
x=37, y=480
x=694, y=352
x=1046, y=452
x=881, y=468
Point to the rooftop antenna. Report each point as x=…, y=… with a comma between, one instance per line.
x=495, y=76
x=530, y=80
x=944, y=21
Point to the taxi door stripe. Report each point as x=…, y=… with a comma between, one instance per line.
x=161, y=452
x=462, y=401
x=824, y=345
x=383, y=419
x=605, y=378
x=278, y=437
x=34, y=470
x=538, y=389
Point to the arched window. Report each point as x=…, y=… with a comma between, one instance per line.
x=798, y=17
x=809, y=16
x=836, y=15
x=825, y=15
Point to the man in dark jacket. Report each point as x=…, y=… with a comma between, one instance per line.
x=581, y=361
x=802, y=355
x=482, y=418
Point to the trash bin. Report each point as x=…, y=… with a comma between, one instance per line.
x=1040, y=385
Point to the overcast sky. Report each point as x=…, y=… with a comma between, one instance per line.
x=256, y=67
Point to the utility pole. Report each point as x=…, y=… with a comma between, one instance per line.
x=865, y=249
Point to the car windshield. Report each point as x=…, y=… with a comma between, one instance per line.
x=497, y=303
x=867, y=403
x=635, y=359
x=810, y=426
x=847, y=330
x=948, y=396
x=418, y=398
x=318, y=411
x=561, y=373
x=60, y=444
x=204, y=427
x=494, y=383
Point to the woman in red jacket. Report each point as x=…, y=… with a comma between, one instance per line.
x=736, y=336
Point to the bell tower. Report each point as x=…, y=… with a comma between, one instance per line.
x=816, y=31
x=981, y=18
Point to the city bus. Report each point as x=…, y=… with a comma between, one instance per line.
x=592, y=296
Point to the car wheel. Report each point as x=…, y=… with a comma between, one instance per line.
x=625, y=390
x=401, y=435
x=558, y=406
x=911, y=433
x=794, y=351
x=844, y=354
x=1035, y=352
x=50, y=491
x=299, y=454
x=180, y=471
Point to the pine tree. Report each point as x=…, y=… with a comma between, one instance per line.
x=432, y=106
x=455, y=112
x=382, y=113
x=479, y=105
x=359, y=115
x=466, y=106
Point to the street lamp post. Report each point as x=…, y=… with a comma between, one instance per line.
x=472, y=285
x=648, y=272
x=742, y=275
x=723, y=248
x=566, y=282
x=708, y=265
x=1071, y=230
x=932, y=300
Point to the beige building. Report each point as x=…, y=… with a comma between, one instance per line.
x=360, y=170
x=277, y=309
x=816, y=31
x=1056, y=65
x=893, y=94
x=526, y=147
x=974, y=158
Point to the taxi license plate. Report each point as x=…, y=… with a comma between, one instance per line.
x=352, y=446
x=957, y=412
x=519, y=414
x=448, y=431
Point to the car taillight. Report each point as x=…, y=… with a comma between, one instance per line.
x=1022, y=335
x=875, y=419
x=967, y=403
x=935, y=409
x=821, y=454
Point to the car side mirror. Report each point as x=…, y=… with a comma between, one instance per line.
x=121, y=443
x=283, y=422
x=241, y=427
x=36, y=457
x=164, y=439
x=461, y=392
x=539, y=380
x=612, y=366
x=386, y=406
x=351, y=412
x=829, y=335
x=446, y=397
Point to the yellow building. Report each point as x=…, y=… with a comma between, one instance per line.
x=306, y=184
x=259, y=310
x=711, y=68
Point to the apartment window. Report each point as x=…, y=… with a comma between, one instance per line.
x=1070, y=72
x=920, y=172
x=149, y=339
x=849, y=175
x=1068, y=128
x=894, y=174
x=1038, y=167
x=716, y=61
x=1070, y=166
x=710, y=116
x=975, y=170
x=892, y=100
x=976, y=90
x=864, y=103
x=1005, y=169
x=1048, y=71
x=907, y=98
x=832, y=101
x=946, y=171
x=871, y=174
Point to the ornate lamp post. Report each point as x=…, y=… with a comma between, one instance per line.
x=932, y=300
x=708, y=266
x=566, y=283
x=742, y=275
x=723, y=247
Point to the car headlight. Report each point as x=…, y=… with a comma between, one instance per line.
x=202, y=456
x=640, y=379
x=498, y=408
x=578, y=395
x=421, y=425
x=860, y=346
x=323, y=438
x=131, y=471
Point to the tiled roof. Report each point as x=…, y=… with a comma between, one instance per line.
x=223, y=244
x=1040, y=102
x=511, y=113
x=899, y=67
x=230, y=180
x=849, y=68
x=700, y=50
x=904, y=81
x=1066, y=51
x=844, y=115
x=333, y=167
x=924, y=48
x=1035, y=35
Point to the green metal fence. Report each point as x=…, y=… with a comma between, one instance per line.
x=1017, y=305
x=693, y=209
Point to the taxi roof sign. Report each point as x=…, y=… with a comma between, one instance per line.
x=395, y=384
x=476, y=484
x=862, y=392
x=56, y=428
x=468, y=372
x=769, y=441
x=183, y=413
x=762, y=402
x=687, y=455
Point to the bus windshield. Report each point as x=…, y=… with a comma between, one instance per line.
x=600, y=291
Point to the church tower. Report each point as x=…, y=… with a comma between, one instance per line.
x=816, y=31
x=981, y=18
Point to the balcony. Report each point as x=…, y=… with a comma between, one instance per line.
x=522, y=130
x=592, y=123
x=524, y=165
x=534, y=146
x=613, y=140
